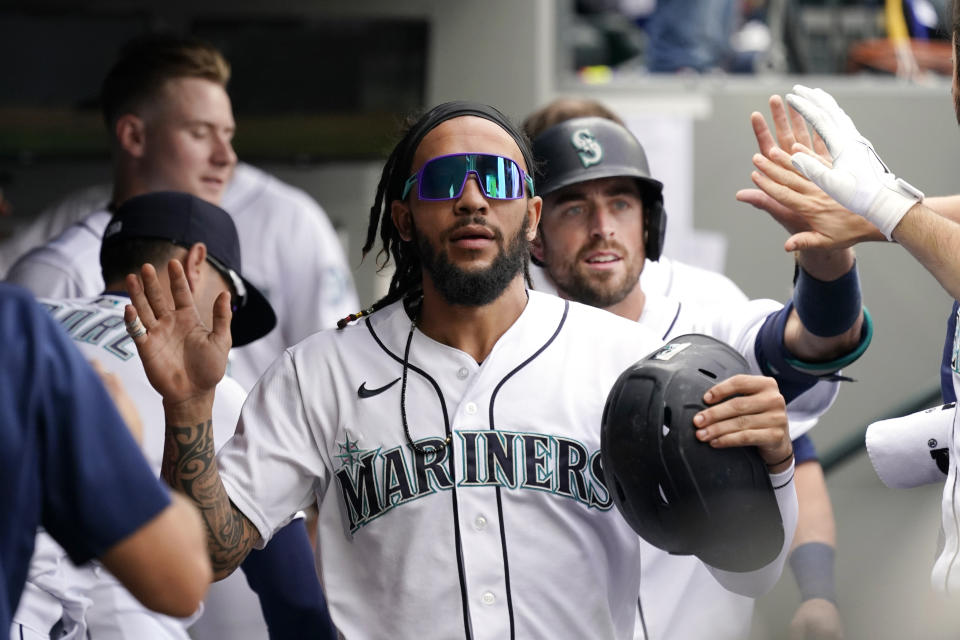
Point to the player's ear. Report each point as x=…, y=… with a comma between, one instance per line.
x=131, y=134
x=534, y=208
x=402, y=219
x=193, y=264
x=536, y=246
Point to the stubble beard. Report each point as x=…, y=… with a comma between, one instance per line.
x=597, y=289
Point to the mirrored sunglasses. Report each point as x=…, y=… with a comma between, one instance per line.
x=444, y=177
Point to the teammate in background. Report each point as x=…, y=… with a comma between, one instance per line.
x=426, y=431
x=57, y=426
x=171, y=124
x=664, y=276
x=575, y=221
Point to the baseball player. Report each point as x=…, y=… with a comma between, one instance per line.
x=451, y=436
x=172, y=93
x=689, y=309
x=58, y=426
x=156, y=226
x=171, y=124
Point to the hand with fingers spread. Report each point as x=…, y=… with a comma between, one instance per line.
x=815, y=220
x=747, y=410
x=184, y=360
x=858, y=179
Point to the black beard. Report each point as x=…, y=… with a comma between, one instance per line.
x=475, y=288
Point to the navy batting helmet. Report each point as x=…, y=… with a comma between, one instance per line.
x=582, y=149
x=678, y=493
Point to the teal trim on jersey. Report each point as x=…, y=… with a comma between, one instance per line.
x=827, y=368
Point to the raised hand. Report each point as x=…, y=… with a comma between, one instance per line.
x=184, y=360
x=747, y=410
x=813, y=218
x=858, y=180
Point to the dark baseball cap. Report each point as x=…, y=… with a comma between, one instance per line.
x=184, y=220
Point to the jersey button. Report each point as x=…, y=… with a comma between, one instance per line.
x=471, y=408
x=480, y=523
x=462, y=373
x=488, y=598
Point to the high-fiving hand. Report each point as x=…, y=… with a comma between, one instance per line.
x=184, y=360
x=859, y=179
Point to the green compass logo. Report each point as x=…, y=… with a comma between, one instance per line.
x=350, y=454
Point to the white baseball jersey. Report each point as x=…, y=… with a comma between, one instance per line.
x=47, y=224
x=290, y=251
x=945, y=577
x=668, y=277
x=89, y=597
x=671, y=583
x=508, y=532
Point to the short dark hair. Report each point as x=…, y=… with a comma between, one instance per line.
x=146, y=63
x=121, y=258
x=563, y=109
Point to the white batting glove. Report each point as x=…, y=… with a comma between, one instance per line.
x=859, y=180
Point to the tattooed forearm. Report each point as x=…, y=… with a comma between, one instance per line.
x=190, y=466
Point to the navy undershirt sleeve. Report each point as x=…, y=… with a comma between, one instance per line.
x=282, y=574
x=803, y=450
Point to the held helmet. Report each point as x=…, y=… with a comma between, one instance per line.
x=678, y=493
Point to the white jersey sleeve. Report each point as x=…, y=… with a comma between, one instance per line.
x=668, y=277
x=272, y=466
x=68, y=266
x=50, y=222
x=756, y=583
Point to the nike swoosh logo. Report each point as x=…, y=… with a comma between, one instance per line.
x=363, y=392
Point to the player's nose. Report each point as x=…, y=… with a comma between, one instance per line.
x=601, y=222
x=472, y=198
x=222, y=153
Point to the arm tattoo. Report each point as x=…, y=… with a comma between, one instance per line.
x=189, y=466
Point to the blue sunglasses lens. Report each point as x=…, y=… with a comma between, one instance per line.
x=443, y=178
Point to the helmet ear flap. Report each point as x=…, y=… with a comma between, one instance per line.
x=654, y=227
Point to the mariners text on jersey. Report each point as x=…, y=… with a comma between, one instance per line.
x=374, y=482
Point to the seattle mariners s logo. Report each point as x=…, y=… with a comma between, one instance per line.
x=587, y=147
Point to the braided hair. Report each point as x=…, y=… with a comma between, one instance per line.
x=407, y=281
